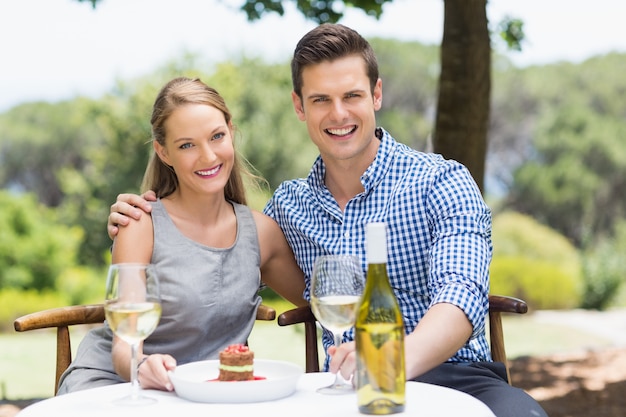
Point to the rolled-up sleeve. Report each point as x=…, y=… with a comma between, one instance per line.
x=462, y=247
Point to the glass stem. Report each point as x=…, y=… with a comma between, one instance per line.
x=134, y=382
x=338, y=378
x=337, y=339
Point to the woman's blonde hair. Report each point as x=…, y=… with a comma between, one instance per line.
x=161, y=177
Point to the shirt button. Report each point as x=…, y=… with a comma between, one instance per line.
x=346, y=235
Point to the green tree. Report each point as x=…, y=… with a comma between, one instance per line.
x=524, y=99
x=39, y=139
x=410, y=73
x=35, y=249
x=573, y=170
x=75, y=155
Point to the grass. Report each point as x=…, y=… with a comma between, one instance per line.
x=27, y=360
x=27, y=364
x=523, y=336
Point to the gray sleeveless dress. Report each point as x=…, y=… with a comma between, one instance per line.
x=209, y=298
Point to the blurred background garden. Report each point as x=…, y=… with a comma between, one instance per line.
x=555, y=178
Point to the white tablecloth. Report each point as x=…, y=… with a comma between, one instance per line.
x=421, y=400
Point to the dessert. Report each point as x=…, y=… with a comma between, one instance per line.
x=236, y=363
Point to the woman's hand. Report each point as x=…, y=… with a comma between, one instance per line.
x=152, y=372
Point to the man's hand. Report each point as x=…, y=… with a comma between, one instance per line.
x=128, y=206
x=343, y=360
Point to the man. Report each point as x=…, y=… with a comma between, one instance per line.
x=438, y=225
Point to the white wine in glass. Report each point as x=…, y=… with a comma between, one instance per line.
x=336, y=312
x=336, y=287
x=133, y=310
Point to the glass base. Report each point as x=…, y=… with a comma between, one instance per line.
x=337, y=388
x=134, y=401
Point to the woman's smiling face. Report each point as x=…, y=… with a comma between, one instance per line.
x=199, y=147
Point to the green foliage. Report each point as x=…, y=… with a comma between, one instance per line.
x=34, y=248
x=604, y=268
x=270, y=135
x=70, y=154
x=81, y=285
x=116, y=164
x=15, y=303
x=570, y=167
x=257, y=197
x=542, y=284
x=534, y=263
x=511, y=31
x=582, y=201
x=410, y=73
x=619, y=300
x=320, y=11
x=39, y=139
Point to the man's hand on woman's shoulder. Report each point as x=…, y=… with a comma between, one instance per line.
x=127, y=207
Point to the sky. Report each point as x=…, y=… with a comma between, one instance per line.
x=57, y=49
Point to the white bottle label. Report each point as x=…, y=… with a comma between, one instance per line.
x=376, y=240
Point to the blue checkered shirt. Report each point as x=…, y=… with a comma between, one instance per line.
x=438, y=228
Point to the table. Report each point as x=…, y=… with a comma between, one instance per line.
x=421, y=400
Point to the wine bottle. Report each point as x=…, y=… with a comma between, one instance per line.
x=379, y=335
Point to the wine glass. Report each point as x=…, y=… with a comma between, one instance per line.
x=133, y=310
x=336, y=287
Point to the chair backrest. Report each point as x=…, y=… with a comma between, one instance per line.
x=64, y=317
x=497, y=305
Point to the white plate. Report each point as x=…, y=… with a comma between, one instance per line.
x=195, y=381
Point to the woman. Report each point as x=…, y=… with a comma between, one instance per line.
x=210, y=249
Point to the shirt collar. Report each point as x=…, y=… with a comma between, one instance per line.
x=379, y=168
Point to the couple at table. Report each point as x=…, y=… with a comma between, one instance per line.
x=439, y=227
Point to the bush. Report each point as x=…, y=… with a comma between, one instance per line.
x=78, y=285
x=34, y=248
x=15, y=303
x=82, y=285
x=542, y=284
x=535, y=263
x=604, y=267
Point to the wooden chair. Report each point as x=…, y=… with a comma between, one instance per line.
x=497, y=305
x=64, y=317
